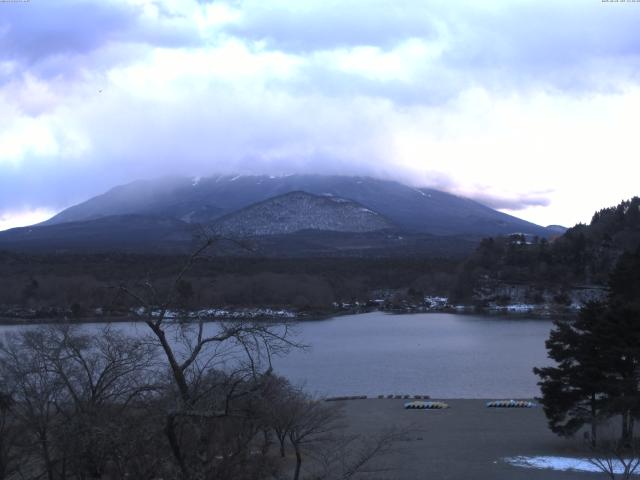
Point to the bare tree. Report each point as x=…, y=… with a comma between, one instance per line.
x=316, y=429
x=9, y=438
x=71, y=392
x=616, y=459
x=102, y=374
x=350, y=456
x=311, y=423
x=194, y=351
x=278, y=409
x=189, y=400
x=36, y=392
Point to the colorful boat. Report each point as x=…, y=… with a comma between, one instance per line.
x=419, y=405
x=510, y=404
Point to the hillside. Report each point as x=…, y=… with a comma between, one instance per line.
x=126, y=233
x=296, y=211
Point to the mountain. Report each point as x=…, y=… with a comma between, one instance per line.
x=556, y=229
x=292, y=215
x=134, y=233
x=296, y=211
x=208, y=199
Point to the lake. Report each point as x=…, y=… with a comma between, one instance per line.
x=437, y=354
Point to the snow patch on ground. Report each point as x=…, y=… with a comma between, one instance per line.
x=436, y=303
x=514, y=307
x=223, y=313
x=563, y=464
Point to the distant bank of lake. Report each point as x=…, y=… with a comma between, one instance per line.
x=439, y=354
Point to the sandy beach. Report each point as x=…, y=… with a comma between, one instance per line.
x=467, y=441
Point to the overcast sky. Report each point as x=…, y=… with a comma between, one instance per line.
x=529, y=106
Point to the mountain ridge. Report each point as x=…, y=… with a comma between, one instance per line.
x=203, y=200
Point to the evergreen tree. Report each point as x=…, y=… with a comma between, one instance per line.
x=575, y=392
x=598, y=360
x=622, y=337
x=624, y=282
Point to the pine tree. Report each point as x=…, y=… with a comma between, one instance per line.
x=622, y=337
x=575, y=392
x=598, y=360
x=624, y=281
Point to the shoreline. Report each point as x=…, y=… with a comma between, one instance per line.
x=405, y=398
x=299, y=317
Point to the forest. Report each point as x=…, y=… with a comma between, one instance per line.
x=583, y=255
x=76, y=285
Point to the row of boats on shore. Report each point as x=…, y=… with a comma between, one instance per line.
x=422, y=405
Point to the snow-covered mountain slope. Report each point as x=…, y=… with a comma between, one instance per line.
x=296, y=211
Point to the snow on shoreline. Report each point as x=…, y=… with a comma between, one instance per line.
x=563, y=464
x=224, y=313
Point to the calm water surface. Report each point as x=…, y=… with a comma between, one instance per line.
x=442, y=355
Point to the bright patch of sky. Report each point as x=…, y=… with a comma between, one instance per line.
x=528, y=106
x=23, y=218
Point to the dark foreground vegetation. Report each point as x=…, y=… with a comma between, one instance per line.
x=80, y=407
x=187, y=401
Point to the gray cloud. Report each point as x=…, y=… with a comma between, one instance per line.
x=53, y=38
x=45, y=184
x=519, y=45
x=512, y=203
x=35, y=30
x=561, y=45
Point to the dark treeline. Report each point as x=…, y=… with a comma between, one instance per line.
x=585, y=254
x=84, y=282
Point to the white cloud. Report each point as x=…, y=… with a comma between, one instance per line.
x=23, y=218
x=402, y=63
x=24, y=137
x=578, y=149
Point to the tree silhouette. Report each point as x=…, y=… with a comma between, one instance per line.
x=574, y=392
